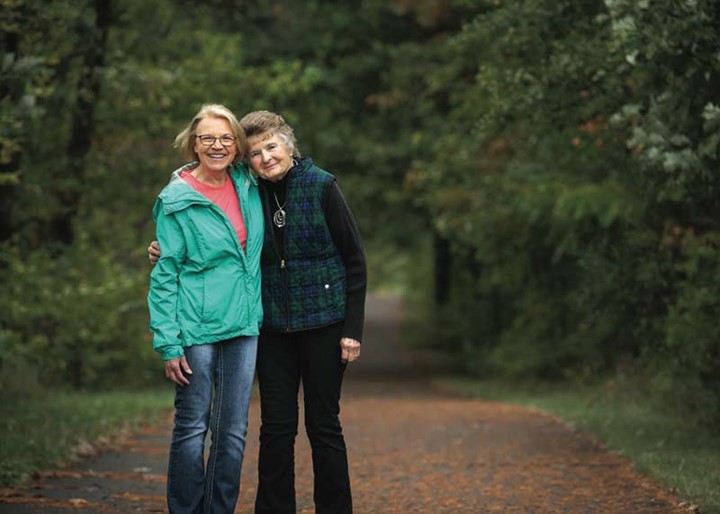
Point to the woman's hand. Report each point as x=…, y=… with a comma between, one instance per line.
x=349, y=349
x=176, y=369
x=153, y=252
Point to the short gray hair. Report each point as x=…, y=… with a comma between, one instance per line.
x=261, y=122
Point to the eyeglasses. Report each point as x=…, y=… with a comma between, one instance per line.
x=207, y=140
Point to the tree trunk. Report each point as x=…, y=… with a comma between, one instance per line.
x=83, y=121
x=9, y=167
x=443, y=261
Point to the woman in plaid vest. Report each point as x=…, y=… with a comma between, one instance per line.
x=313, y=287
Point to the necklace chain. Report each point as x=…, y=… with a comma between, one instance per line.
x=277, y=202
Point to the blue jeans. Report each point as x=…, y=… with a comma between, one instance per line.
x=228, y=368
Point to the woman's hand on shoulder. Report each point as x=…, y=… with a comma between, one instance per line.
x=153, y=252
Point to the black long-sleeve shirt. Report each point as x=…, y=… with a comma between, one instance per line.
x=346, y=238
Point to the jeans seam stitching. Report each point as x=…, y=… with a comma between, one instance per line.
x=215, y=423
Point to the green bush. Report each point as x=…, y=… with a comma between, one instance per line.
x=78, y=318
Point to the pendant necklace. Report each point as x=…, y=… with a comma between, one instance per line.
x=279, y=216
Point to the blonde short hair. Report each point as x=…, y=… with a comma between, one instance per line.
x=260, y=122
x=185, y=140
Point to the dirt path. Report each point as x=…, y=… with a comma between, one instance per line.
x=412, y=450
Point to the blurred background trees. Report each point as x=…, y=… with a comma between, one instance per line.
x=540, y=177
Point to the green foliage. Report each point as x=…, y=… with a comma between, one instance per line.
x=566, y=151
x=41, y=430
x=78, y=318
x=688, y=368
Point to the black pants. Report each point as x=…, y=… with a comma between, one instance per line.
x=312, y=356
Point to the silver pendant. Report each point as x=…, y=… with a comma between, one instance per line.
x=279, y=218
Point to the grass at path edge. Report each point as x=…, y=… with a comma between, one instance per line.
x=683, y=457
x=43, y=430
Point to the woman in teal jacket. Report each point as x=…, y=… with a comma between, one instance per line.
x=206, y=308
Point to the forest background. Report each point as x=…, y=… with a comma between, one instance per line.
x=539, y=177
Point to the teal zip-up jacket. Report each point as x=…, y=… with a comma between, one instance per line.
x=204, y=288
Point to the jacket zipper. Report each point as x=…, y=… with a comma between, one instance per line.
x=285, y=279
x=280, y=254
x=287, y=306
x=246, y=215
x=233, y=234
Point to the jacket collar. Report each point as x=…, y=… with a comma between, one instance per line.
x=179, y=195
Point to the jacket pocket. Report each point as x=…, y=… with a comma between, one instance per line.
x=190, y=300
x=225, y=304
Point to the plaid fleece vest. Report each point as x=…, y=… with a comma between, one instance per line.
x=309, y=291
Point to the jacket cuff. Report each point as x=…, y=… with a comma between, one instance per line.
x=171, y=352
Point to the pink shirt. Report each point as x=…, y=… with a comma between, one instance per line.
x=224, y=197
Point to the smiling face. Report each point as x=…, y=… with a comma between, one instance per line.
x=216, y=157
x=269, y=156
